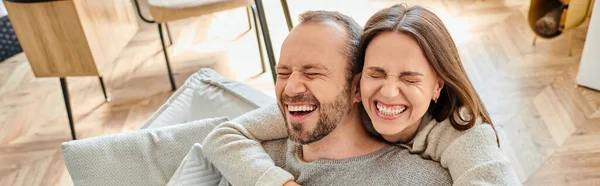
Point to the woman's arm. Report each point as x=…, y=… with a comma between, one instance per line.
x=472, y=156
x=234, y=147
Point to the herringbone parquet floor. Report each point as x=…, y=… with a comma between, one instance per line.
x=550, y=127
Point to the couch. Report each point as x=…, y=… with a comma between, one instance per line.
x=168, y=140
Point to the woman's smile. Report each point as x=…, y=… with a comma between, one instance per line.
x=389, y=111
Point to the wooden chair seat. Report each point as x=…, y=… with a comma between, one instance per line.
x=181, y=9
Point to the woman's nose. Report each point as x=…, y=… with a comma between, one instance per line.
x=390, y=89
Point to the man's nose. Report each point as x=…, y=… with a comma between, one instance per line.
x=390, y=89
x=295, y=85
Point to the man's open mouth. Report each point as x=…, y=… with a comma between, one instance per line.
x=301, y=110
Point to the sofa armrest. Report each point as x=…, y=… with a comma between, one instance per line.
x=143, y=157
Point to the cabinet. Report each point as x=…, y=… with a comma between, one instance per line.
x=72, y=37
x=589, y=68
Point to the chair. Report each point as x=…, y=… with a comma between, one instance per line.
x=573, y=14
x=166, y=11
x=286, y=14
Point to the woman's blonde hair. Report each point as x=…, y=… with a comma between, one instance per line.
x=439, y=49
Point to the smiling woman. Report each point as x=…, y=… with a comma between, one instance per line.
x=415, y=48
x=402, y=72
x=416, y=94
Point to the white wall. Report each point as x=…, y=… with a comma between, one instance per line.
x=2, y=9
x=589, y=69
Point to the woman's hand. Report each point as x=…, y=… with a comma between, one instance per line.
x=291, y=183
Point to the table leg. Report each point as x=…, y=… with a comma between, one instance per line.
x=106, y=98
x=65, y=91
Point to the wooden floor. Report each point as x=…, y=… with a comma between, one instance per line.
x=550, y=127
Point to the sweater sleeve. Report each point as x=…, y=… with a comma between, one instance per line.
x=472, y=157
x=234, y=147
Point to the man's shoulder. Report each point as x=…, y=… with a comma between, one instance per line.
x=401, y=162
x=278, y=144
x=401, y=155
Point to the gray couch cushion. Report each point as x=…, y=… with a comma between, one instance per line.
x=145, y=157
x=220, y=97
x=206, y=94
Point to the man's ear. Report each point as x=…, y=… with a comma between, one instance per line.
x=356, y=88
x=438, y=89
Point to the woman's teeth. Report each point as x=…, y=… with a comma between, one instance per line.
x=302, y=108
x=390, y=111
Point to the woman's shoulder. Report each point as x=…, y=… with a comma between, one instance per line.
x=445, y=126
x=461, y=118
x=441, y=134
x=481, y=133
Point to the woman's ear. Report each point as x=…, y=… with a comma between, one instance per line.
x=438, y=88
x=356, y=88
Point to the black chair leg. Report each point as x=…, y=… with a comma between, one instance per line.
x=257, y=31
x=106, y=98
x=266, y=36
x=248, y=12
x=65, y=91
x=162, y=42
x=169, y=34
x=286, y=13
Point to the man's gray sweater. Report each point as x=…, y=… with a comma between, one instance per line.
x=391, y=165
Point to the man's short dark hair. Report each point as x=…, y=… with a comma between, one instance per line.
x=353, y=29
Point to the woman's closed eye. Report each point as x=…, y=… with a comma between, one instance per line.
x=412, y=80
x=376, y=76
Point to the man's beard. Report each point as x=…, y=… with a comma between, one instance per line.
x=330, y=115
